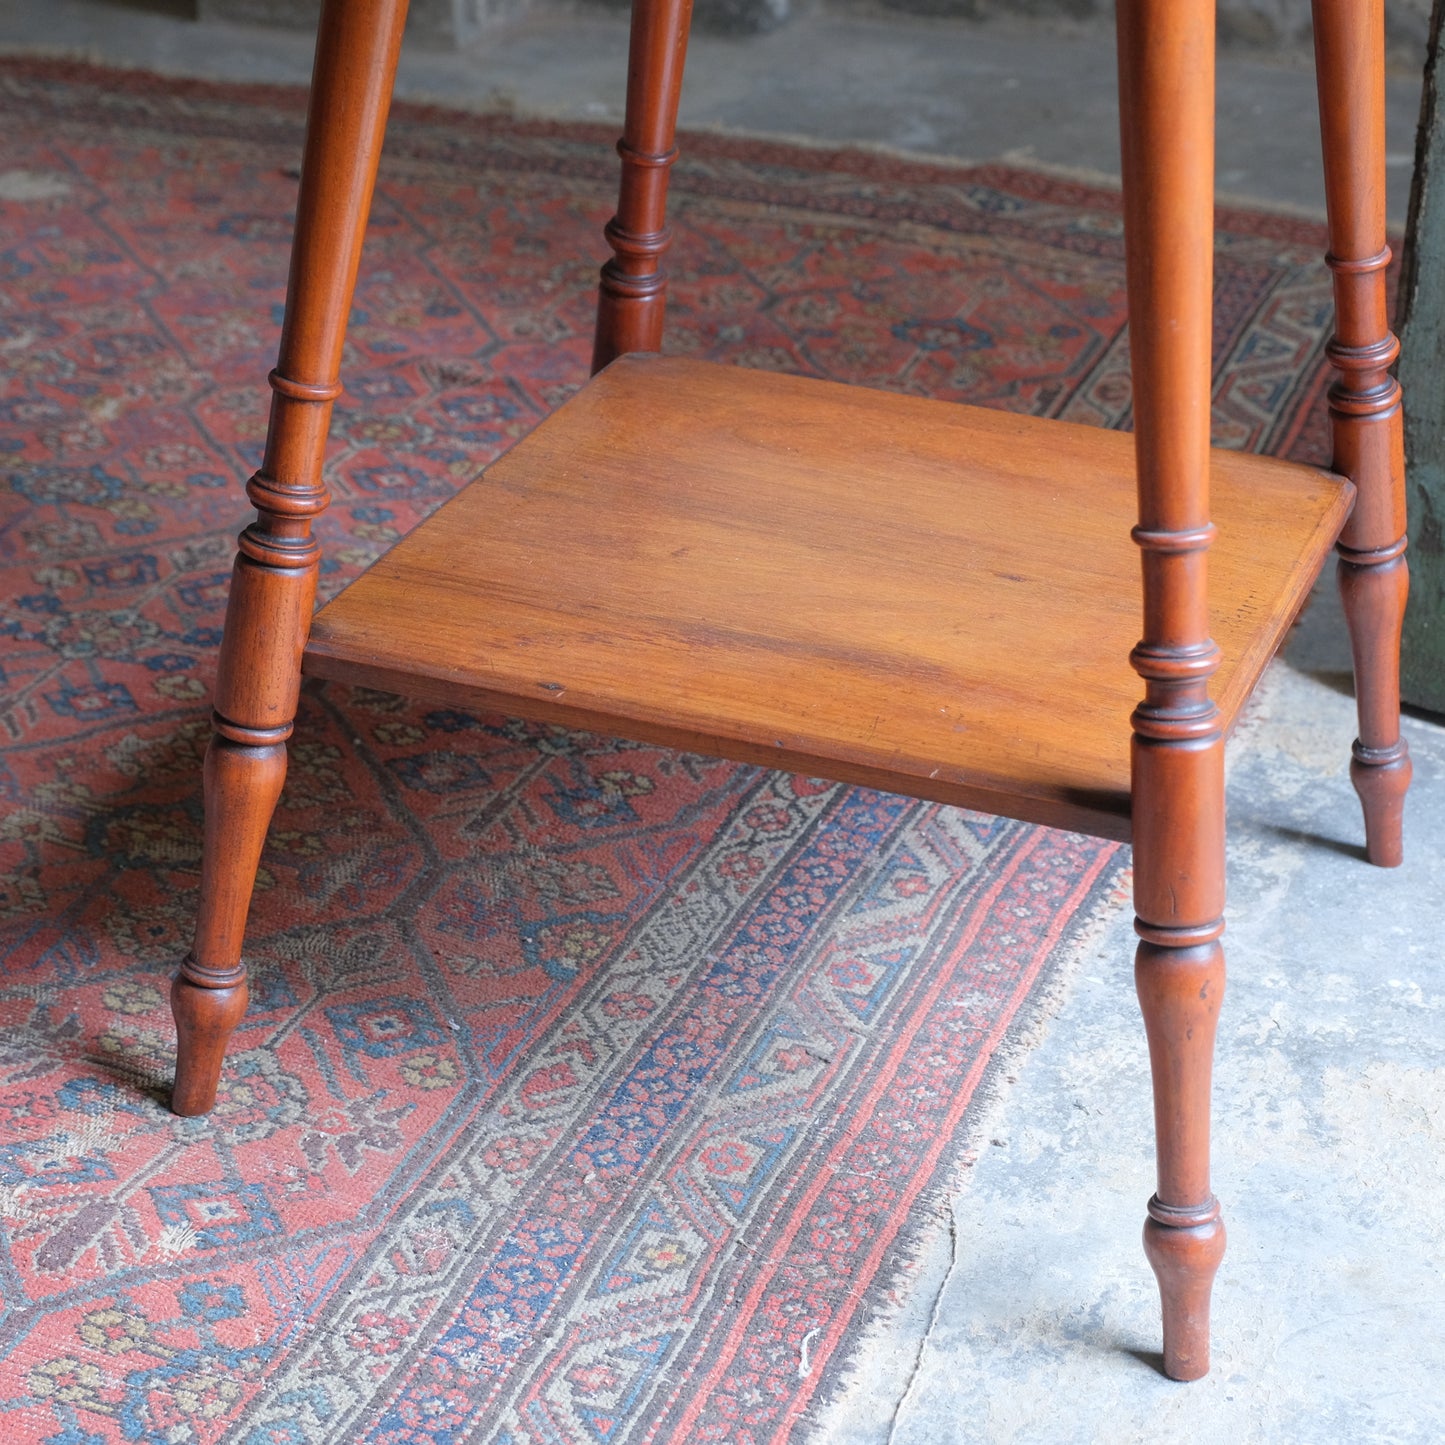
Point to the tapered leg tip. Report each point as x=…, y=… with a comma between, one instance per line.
x=1382, y=778
x=189, y=1099
x=205, y=1018
x=1185, y=1260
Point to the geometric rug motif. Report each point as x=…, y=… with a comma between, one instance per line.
x=588, y=1090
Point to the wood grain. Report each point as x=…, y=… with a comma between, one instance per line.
x=1366, y=417
x=927, y=598
x=273, y=583
x=632, y=290
x=1166, y=112
x=920, y=596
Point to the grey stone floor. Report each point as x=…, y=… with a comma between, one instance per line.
x=1017, y=90
x=1031, y=1316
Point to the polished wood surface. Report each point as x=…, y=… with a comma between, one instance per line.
x=1166, y=102
x=927, y=598
x=1365, y=410
x=632, y=294
x=852, y=583
x=273, y=586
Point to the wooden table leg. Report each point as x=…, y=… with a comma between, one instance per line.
x=1365, y=413
x=632, y=294
x=1166, y=94
x=274, y=581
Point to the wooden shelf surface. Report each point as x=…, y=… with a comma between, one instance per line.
x=924, y=597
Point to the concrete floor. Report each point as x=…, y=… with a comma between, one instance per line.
x=1015, y=91
x=1031, y=1315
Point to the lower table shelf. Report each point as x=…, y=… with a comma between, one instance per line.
x=929, y=598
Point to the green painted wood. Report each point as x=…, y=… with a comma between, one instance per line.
x=1422, y=375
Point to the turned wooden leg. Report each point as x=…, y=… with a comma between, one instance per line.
x=274, y=582
x=208, y=998
x=257, y=685
x=1179, y=977
x=1374, y=593
x=1365, y=416
x=1166, y=95
x=632, y=293
x=1179, y=992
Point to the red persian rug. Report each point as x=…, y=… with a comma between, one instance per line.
x=589, y=1092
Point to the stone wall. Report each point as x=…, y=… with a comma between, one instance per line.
x=1420, y=319
x=1273, y=24
x=446, y=23
x=449, y=23
x=1269, y=22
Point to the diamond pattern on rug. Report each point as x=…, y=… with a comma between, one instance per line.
x=587, y=1089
